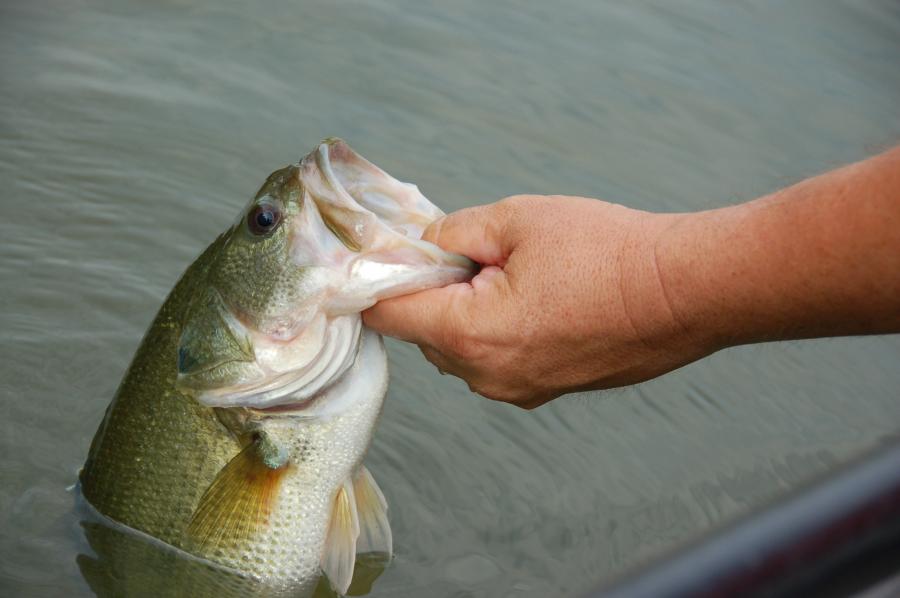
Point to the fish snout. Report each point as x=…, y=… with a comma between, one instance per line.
x=381, y=221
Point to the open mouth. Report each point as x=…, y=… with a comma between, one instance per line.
x=380, y=220
x=362, y=185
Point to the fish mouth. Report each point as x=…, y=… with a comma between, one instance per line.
x=401, y=205
x=380, y=220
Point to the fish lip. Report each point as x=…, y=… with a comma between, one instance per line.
x=382, y=220
x=302, y=408
x=362, y=186
x=284, y=408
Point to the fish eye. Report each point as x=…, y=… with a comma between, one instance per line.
x=264, y=218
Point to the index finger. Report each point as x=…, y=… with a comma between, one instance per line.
x=479, y=233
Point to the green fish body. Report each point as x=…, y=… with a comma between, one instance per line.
x=238, y=433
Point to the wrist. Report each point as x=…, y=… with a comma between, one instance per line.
x=664, y=299
x=734, y=274
x=701, y=285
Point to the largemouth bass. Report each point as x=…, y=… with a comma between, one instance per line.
x=239, y=430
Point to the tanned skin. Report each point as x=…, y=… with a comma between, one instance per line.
x=578, y=294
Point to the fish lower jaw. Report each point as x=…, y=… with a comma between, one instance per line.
x=364, y=382
x=297, y=408
x=289, y=390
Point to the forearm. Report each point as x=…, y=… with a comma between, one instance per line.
x=820, y=258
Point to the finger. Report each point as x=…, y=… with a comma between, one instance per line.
x=533, y=403
x=446, y=365
x=478, y=233
x=440, y=361
x=423, y=317
x=486, y=279
x=436, y=316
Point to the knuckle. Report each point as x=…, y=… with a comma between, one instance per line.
x=523, y=213
x=524, y=202
x=438, y=360
x=471, y=348
x=495, y=392
x=512, y=207
x=454, y=344
x=463, y=340
x=487, y=391
x=520, y=200
x=505, y=390
x=430, y=355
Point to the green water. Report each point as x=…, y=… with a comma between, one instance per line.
x=132, y=132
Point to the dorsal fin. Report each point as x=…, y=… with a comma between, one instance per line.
x=371, y=508
x=238, y=502
x=339, y=552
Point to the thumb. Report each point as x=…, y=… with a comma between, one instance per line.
x=479, y=233
x=433, y=317
x=423, y=318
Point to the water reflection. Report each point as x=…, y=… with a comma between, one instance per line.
x=128, y=564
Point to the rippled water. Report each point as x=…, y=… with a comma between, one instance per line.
x=132, y=132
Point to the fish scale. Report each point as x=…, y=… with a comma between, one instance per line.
x=153, y=481
x=230, y=459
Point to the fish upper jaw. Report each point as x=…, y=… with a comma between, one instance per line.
x=379, y=221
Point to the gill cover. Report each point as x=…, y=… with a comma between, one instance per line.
x=214, y=347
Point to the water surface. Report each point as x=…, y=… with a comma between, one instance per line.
x=132, y=132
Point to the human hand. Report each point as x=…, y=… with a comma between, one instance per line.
x=569, y=298
x=578, y=294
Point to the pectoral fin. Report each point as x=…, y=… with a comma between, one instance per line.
x=371, y=508
x=239, y=500
x=339, y=553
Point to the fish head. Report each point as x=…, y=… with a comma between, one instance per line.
x=276, y=317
